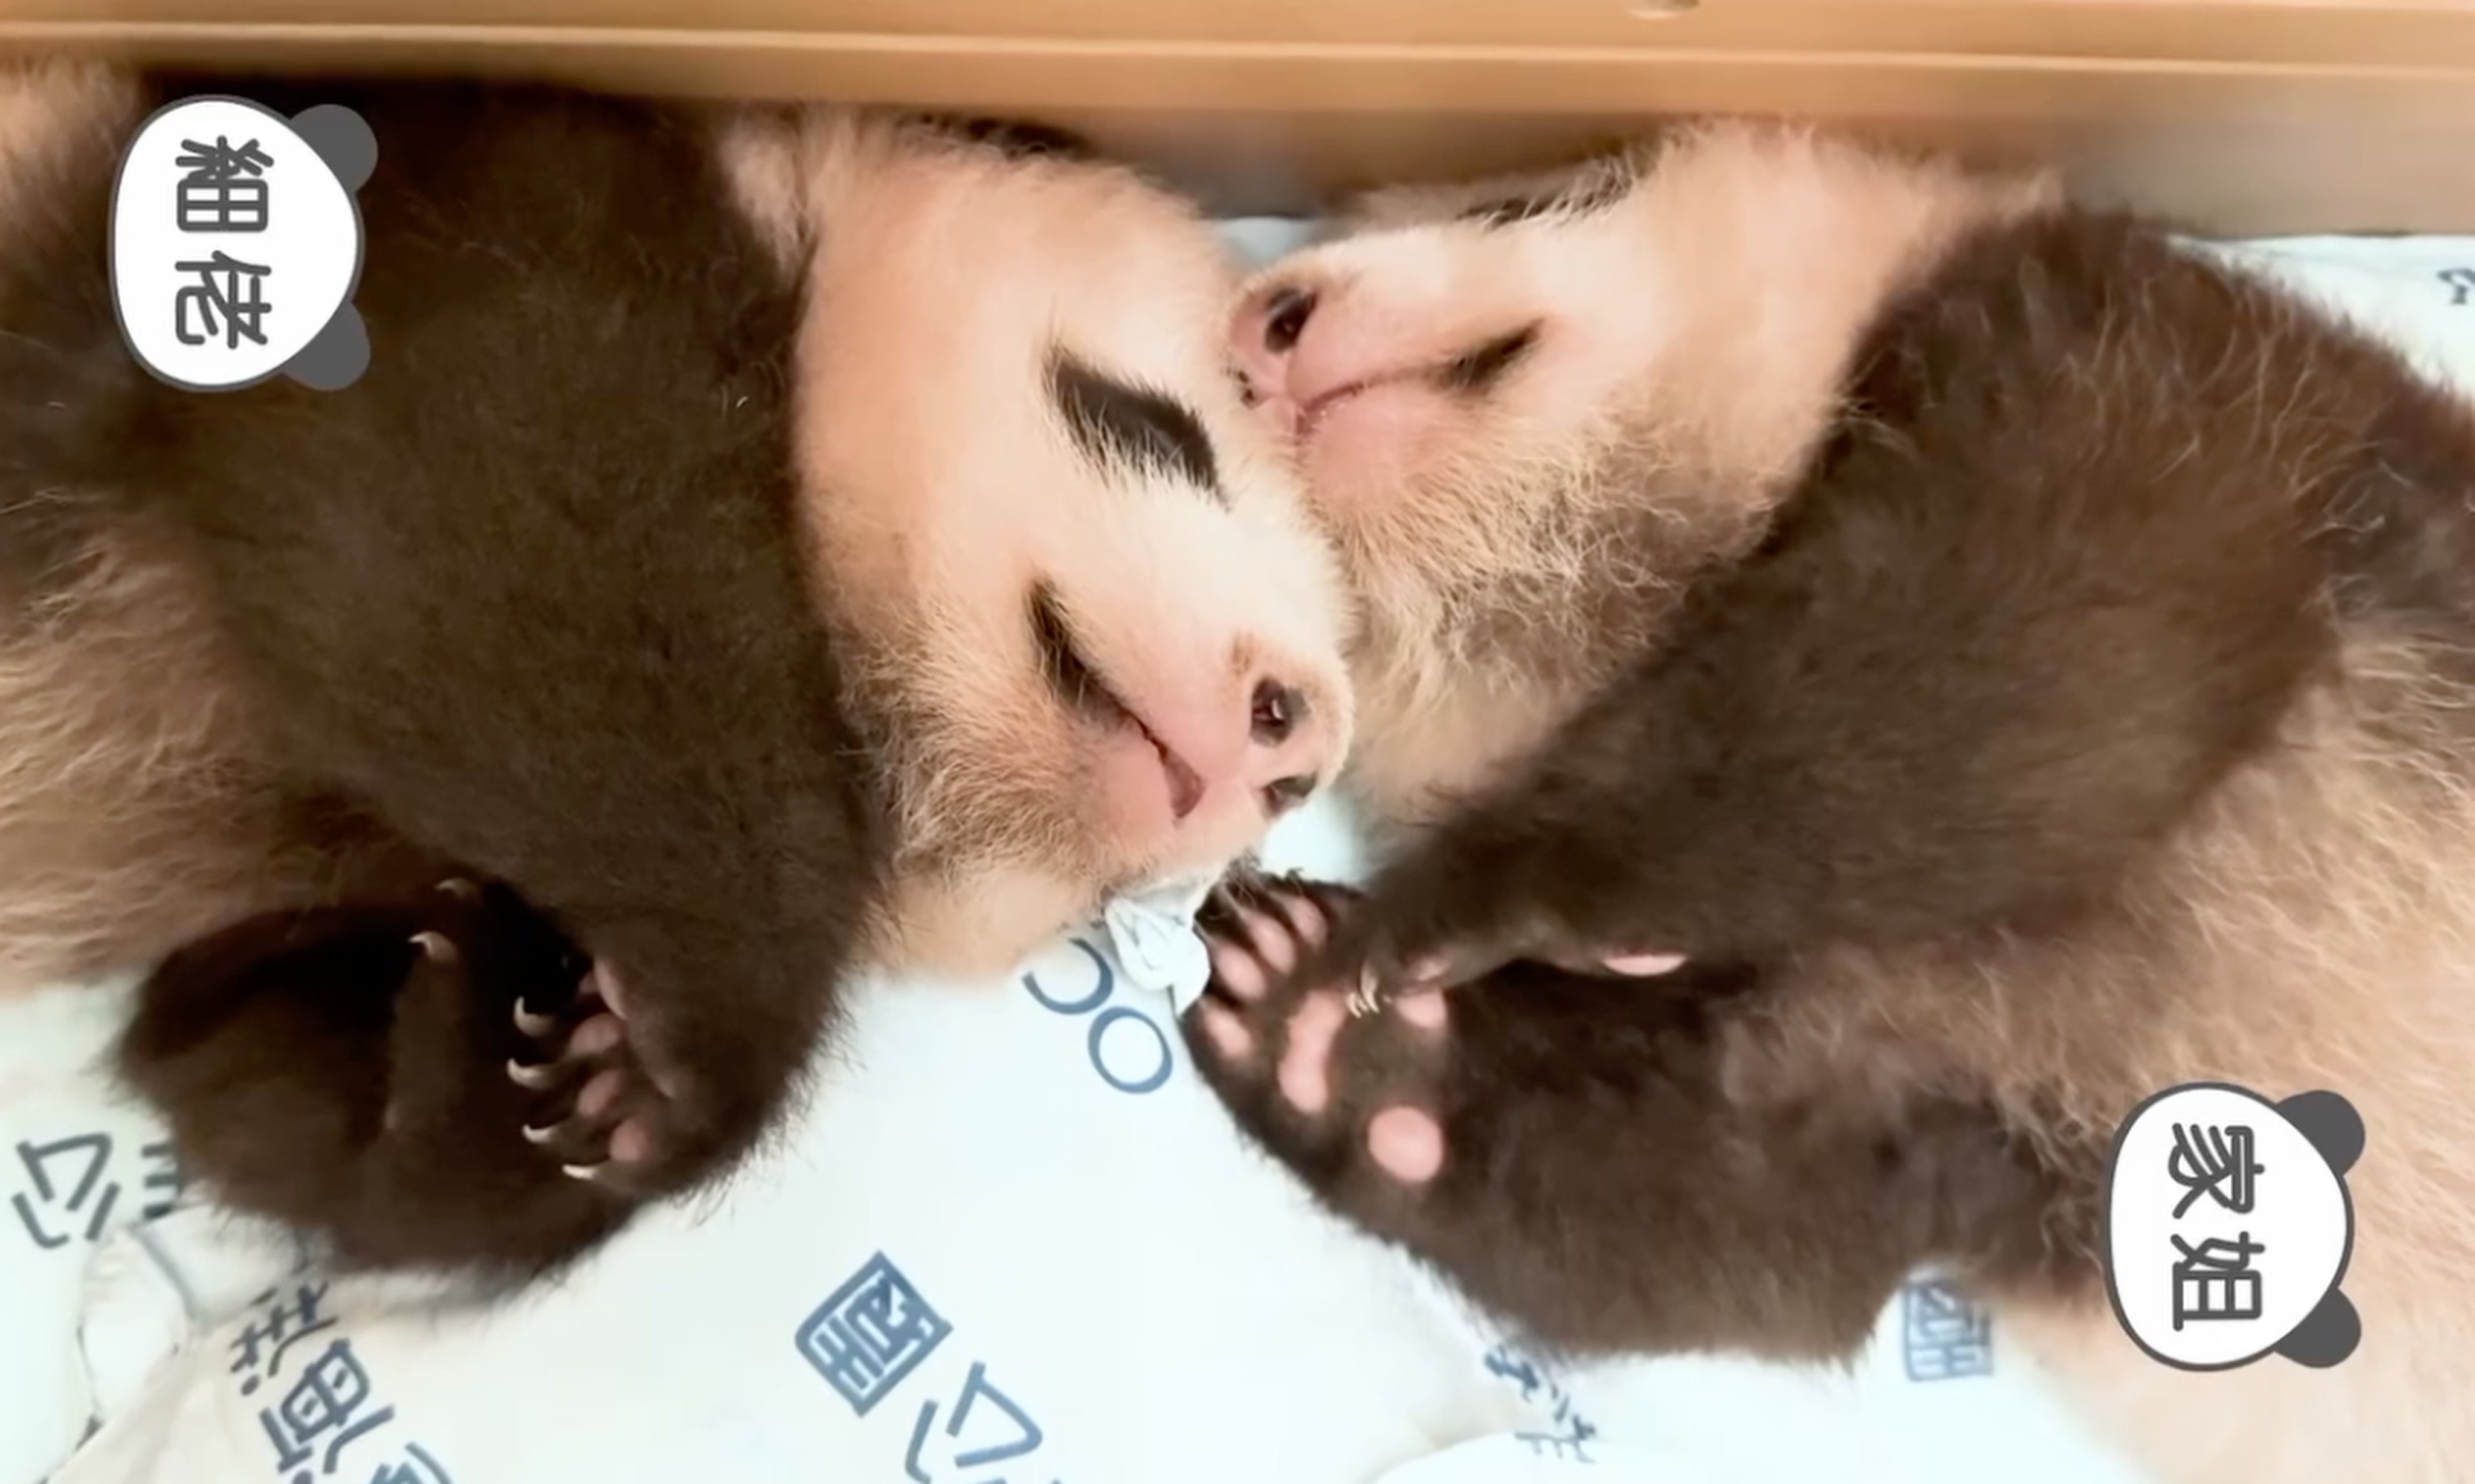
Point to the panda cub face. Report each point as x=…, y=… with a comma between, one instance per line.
x=1459, y=373
x=1531, y=409
x=1441, y=340
x=1096, y=638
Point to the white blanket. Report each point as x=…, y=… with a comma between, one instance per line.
x=1014, y=1242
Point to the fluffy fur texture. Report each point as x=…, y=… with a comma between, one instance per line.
x=750, y=549
x=2016, y=664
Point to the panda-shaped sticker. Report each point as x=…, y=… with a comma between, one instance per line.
x=237, y=244
x=2228, y=1226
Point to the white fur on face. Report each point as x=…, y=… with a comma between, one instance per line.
x=1685, y=326
x=950, y=491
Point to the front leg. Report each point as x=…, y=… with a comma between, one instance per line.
x=438, y=1078
x=1565, y=1147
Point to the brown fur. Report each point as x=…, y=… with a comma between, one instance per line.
x=639, y=577
x=2068, y=699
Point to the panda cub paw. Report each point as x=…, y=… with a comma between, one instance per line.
x=598, y=1103
x=1398, y=1108
x=432, y=1079
x=586, y=1099
x=1345, y=1092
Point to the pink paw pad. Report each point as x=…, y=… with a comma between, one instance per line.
x=631, y=1142
x=600, y=1094
x=599, y=1037
x=1312, y=926
x=1424, y=1008
x=1236, y=971
x=1645, y=966
x=1305, y=1067
x=1405, y=1143
x=1228, y=1034
x=1273, y=945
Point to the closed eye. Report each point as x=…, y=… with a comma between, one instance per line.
x=1475, y=371
x=1069, y=673
x=1112, y=422
x=1509, y=209
x=1592, y=189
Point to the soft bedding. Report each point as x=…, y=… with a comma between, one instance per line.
x=1011, y=1242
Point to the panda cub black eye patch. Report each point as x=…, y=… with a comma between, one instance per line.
x=1115, y=422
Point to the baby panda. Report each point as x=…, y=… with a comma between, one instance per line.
x=766, y=545
x=1866, y=672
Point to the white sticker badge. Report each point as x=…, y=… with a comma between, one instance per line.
x=2228, y=1226
x=237, y=244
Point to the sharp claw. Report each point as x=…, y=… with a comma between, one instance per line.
x=536, y=1078
x=533, y=1135
x=1368, y=997
x=533, y=1025
x=605, y=981
x=584, y=1172
x=461, y=890
x=435, y=947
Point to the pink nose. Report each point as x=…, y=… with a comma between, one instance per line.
x=1288, y=745
x=1266, y=331
x=1269, y=746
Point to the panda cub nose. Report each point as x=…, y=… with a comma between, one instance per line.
x=1278, y=709
x=1285, y=318
x=1286, y=755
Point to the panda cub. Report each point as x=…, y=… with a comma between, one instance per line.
x=1867, y=673
x=766, y=545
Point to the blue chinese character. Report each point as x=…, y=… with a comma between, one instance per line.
x=423, y=1469
x=39, y=1161
x=283, y=1327
x=1576, y=1427
x=1512, y=1366
x=330, y=1390
x=1023, y=1435
x=872, y=1332
x=1946, y=1337
x=1506, y=1362
x=1547, y=1444
x=166, y=1180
